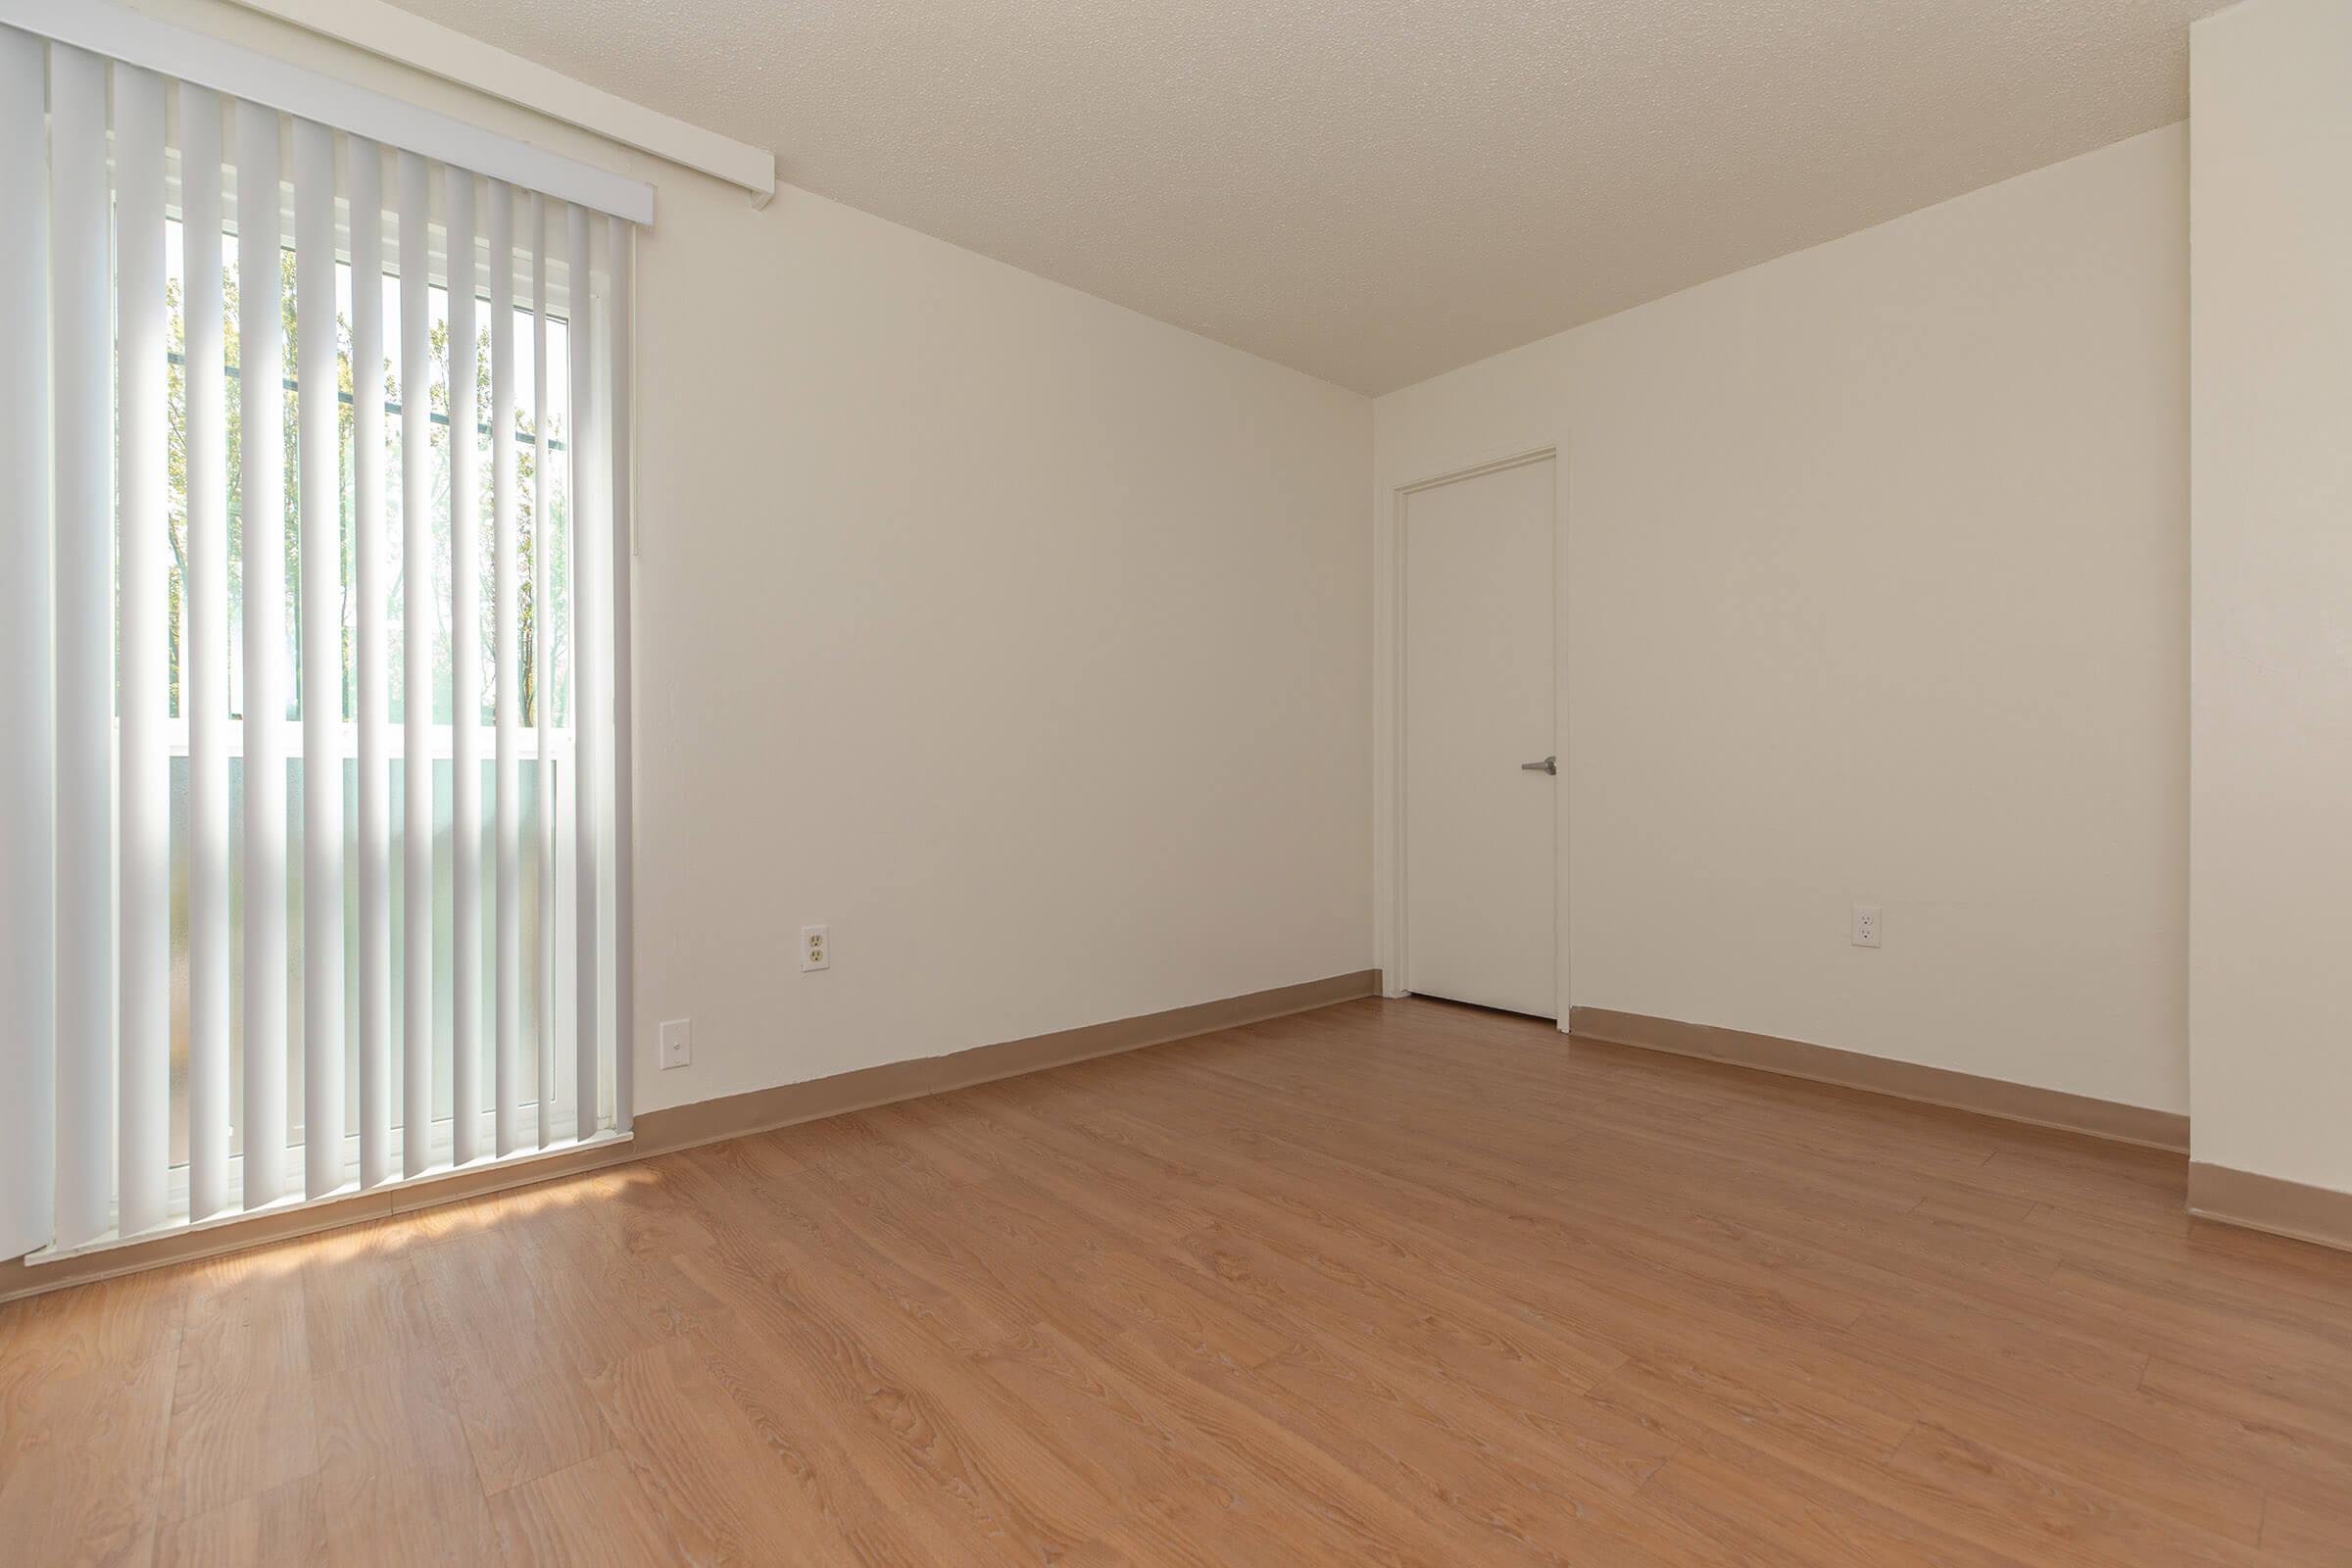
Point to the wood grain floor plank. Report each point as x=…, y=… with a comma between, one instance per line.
x=404, y=1516
x=281, y=1528
x=925, y=1431
x=586, y=1515
x=362, y=1302
x=106, y=1323
x=388, y=1416
x=247, y=1321
x=2045, y=1514
x=725, y=1489
x=2302, y=1415
x=81, y=1479
x=234, y=1438
x=2308, y=1531
x=1762, y=1512
x=1391, y=1283
x=525, y=1408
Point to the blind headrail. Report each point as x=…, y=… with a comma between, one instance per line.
x=421, y=44
x=118, y=32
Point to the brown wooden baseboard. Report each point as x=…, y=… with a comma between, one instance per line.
x=2270, y=1203
x=711, y=1120
x=1881, y=1075
x=685, y=1126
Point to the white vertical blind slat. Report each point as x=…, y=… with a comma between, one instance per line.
x=321, y=499
x=203, y=652
x=28, y=915
x=417, y=669
x=261, y=350
x=143, y=1015
x=83, y=362
x=543, y=403
x=465, y=685
x=618, y=313
x=585, y=689
x=99, y=447
x=507, y=976
x=367, y=194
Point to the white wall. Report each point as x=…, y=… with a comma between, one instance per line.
x=2270, y=813
x=1876, y=565
x=1022, y=638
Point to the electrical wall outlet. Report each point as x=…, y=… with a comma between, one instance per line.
x=1866, y=925
x=677, y=1043
x=817, y=948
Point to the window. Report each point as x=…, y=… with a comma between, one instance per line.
x=259, y=956
x=540, y=988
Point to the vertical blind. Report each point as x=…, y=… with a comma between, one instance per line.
x=313, y=466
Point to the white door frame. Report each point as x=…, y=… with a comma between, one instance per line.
x=1389, y=925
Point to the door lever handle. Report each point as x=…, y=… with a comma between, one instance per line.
x=1550, y=764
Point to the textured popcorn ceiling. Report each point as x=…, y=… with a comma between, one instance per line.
x=1377, y=190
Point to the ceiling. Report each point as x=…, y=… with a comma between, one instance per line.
x=1378, y=190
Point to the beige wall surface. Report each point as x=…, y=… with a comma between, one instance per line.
x=1020, y=638
x=2271, y=812
x=1875, y=566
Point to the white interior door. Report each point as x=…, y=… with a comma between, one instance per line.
x=1481, y=859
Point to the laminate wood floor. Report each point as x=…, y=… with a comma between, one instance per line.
x=1387, y=1283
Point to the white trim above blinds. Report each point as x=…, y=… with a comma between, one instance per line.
x=134, y=38
x=420, y=44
